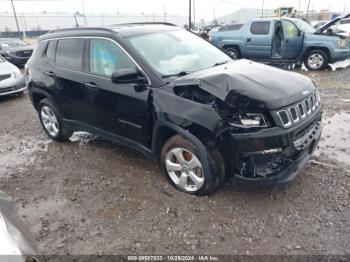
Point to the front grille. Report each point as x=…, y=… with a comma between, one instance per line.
x=3, y=77
x=301, y=110
x=25, y=53
x=8, y=89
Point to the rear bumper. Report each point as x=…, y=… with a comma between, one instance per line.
x=12, y=86
x=274, y=156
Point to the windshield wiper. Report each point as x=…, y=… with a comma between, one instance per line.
x=220, y=63
x=182, y=73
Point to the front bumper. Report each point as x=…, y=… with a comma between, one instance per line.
x=12, y=86
x=275, y=155
x=340, y=54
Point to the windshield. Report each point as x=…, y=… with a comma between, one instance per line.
x=305, y=27
x=178, y=52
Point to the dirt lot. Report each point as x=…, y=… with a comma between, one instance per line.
x=90, y=196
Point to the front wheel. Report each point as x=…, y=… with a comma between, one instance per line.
x=316, y=60
x=183, y=167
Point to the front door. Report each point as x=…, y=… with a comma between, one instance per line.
x=293, y=40
x=120, y=109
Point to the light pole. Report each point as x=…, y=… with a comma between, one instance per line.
x=14, y=12
x=262, y=8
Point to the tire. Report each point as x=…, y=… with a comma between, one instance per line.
x=51, y=121
x=206, y=182
x=232, y=52
x=316, y=60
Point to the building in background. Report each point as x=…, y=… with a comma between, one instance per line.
x=244, y=15
x=51, y=21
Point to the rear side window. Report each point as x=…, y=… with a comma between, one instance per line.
x=70, y=53
x=260, y=28
x=50, y=51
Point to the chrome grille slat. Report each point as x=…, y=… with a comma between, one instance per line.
x=299, y=111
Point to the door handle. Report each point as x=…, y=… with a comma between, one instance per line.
x=249, y=39
x=50, y=73
x=91, y=85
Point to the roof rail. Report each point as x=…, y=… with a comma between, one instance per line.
x=80, y=29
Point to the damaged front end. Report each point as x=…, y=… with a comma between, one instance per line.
x=266, y=131
x=273, y=148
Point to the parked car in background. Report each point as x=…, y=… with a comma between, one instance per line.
x=16, y=241
x=11, y=79
x=284, y=40
x=318, y=24
x=179, y=100
x=15, y=51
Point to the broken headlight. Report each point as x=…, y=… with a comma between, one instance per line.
x=248, y=120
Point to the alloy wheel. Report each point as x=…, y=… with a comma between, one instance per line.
x=49, y=120
x=315, y=61
x=184, y=169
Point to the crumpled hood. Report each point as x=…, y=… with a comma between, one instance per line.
x=273, y=87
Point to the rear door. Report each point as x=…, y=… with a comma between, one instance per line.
x=259, y=40
x=67, y=78
x=293, y=40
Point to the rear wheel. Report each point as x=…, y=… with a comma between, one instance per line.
x=52, y=122
x=232, y=52
x=316, y=60
x=183, y=167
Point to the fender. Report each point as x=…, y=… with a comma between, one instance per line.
x=35, y=90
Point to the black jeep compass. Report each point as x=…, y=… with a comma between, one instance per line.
x=175, y=97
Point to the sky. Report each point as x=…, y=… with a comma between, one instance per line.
x=205, y=9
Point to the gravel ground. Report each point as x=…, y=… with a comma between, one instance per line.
x=90, y=196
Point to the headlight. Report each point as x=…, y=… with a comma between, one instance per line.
x=17, y=73
x=341, y=43
x=248, y=120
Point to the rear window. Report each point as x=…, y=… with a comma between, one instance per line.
x=50, y=51
x=260, y=28
x=233, y=27
x=70, y=53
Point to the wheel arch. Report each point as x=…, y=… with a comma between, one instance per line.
x=312, y=48
x=164, y=130
x=234, y=46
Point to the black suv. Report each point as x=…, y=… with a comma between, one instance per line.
x=175, y=97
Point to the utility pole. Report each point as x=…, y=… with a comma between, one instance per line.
x=189, y=15
x=164, y=13
x=14, y=11
x=194, y=13
x=83, y=9
x=262, y=8
x=299, y=8
x=307, y=11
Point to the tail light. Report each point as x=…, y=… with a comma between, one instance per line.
x=26, y=72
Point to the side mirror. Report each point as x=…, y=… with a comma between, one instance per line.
x=300, y=33
x=128, y=76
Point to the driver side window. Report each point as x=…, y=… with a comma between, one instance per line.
x=290, y=30
x=107, y=57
